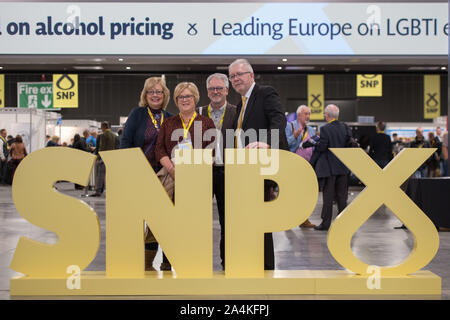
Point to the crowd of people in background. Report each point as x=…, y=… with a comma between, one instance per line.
x=151, y=128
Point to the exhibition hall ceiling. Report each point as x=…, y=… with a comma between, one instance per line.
x=217, y=63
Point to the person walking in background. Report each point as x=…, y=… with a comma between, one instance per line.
x=260, y=109
x=105, y=141
x=332, y=173
x=17, y=152
x=91, y=141
x=4, y=151
x=420, y=142
x=53, y=142
x=381, y=146
x=80, y=144
x=298, y=133
x=141, y=131
x=434, y=168
x=223, y=114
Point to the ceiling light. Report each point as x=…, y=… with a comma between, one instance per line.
x=299, y=68
x=120, y=59
x=279, y=68
x=423, y=68
x=128, y=68
x=284, y=60
x=443, y=68
x=1, y=68
x=88, y=67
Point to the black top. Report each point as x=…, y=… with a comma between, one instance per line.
x=381, y=147
x=335, y=134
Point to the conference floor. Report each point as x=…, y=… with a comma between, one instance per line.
x=376, y=242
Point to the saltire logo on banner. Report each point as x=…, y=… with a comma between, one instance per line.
x=431, y=96
x=65, y=91
x=316, y=96
x=369, y=85
x=2, y=90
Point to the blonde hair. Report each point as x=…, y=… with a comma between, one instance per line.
x=186, y=85
x=150, y=83
x=55, y=139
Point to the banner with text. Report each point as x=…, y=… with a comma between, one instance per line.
x=237, y=28
x=369, y=85
x=316, y=96
x=432, y=96
x=2, y=90
x=65, y=90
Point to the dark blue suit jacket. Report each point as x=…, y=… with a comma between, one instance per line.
x=332, y=135
x=134, y=131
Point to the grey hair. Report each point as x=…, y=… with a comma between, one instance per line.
x=241, y=61
x=332, y=110
x=301, y=108
x=220, y=76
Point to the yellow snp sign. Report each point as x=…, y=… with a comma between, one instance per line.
x=184, y=228
x=316, y=96
x=369, y=85
x=65, y=91
x=431, y=96
x=2, y=90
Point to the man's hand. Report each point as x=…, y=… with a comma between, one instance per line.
x=257, y=145
x=297, y=133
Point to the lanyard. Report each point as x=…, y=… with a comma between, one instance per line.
x=221, y=120
x=155, y=123
x=6, y=142
x=186, y=130
x=304, y=135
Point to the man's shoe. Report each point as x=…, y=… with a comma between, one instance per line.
x=321, y=228
x=94, y=195
x=165, y=266
x=307, y=224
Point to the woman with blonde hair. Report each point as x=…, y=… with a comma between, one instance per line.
x=186, y=97
x=141, y=130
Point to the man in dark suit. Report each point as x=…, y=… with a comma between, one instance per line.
x=260, y=109
x=381, y=146
x=329, y=169
x=223, y=114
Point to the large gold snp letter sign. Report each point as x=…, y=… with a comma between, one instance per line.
x=184, y=228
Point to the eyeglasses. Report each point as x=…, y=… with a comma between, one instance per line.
x=218, y=89
x=152, y=92
x=238, y=74
x=186, y=97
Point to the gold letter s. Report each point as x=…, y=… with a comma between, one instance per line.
x=72, y=220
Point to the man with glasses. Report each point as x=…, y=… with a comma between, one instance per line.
x=223, y=114
x=260, y=110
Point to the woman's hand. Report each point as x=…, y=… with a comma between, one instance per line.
x=168, y=164
x=172, y=171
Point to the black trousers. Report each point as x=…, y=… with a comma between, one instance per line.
x=335, y=188
x=219, y=192
x=269, y=253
